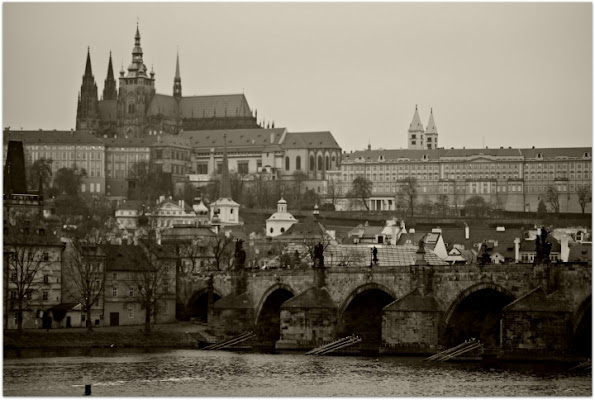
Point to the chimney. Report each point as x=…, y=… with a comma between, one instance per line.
x=466, y=232
x=517, y=249
x=564, y=249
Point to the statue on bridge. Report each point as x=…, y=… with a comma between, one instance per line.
x=239, y=255
x=319, y=255
x=483, y=257
x=542, y=248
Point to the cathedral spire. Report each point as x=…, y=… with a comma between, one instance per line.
x=431, y=128
x=88, y=70
x=178, y=80
x=416, y=125
x=225, y=191
x=109, y=87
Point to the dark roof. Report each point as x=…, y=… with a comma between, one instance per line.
x=529, y=245
x=171, y=141
x=436, y=154
x=414, y=301
x=18, y=236
x=538, y=300
x=580, y=252
x=236, y=138
x=453, y=236
x=125, y=258
x=220, y=106
x=53, y=137
x=63, y=307
x=187, y=231
x=303, y=230
x=310, y=140
x=131, y=205
x=311, y=298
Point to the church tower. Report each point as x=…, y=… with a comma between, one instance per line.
x=416, y=132
x=178, y=81
x=431, y=135
x=109, y=88
x=137, y=89
x=87, y=112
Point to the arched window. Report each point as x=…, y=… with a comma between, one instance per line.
x=130, y=108
x=271, y=230
x=286, y=163
x=334, y=161
x=312, y=164
x=282, y=230
x=320, y=163
x=328, y=163
x=298, y=162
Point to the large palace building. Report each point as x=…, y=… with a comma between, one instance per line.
x=511, y=179
x=136, y=110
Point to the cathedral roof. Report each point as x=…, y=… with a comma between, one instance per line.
x=163, y=104
x=108, y=110
x=231, y=105
x=309, y=140
x=416, y=125
x=129, y=142
x=171, y=141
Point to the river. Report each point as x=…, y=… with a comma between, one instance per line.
x=134, y=372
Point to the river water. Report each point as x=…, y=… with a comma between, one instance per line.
x=134, y=372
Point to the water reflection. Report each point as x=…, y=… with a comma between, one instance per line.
x=133, y=372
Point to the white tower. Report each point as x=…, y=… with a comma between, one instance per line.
x=416, y=132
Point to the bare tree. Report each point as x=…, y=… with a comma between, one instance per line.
x=584, y=196
x=151, y=283
x=441, y=205
x=41, y=169
x=222, y=248
x=85, y=272
x=361, y=189
x=334, y=190
x=408, y=193
x=26, y=254
x=196, y=251
x=298, y=178
x=552, y=196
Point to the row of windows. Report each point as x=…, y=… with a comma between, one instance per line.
x=471, y=166
x=93, y=187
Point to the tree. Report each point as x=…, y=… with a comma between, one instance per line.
x=69, y=180
x=361, y=189
x=476, y=206
x=408, y=193
x=148, y=182
x=26, y=255
x=85, y=272
x=441, y=205
x=552, y=196
x=334, y=190
x=298, y=179
x=584, y=196
x=236, y=183
x=196, y=251
x=222, y=248
x=151, y=283
x=541, y=209
x=41, y=168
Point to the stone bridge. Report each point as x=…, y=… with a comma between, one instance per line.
x=516, y=310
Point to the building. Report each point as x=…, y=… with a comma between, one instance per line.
x=121, y=155
x=134, y=108
x=65, y=149
x=420, y=138
x=280, y=221
x=512, y=179
x=33, y=259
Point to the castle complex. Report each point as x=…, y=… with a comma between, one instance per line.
x=136, y=110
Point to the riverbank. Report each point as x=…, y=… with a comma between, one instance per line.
x=181, y=335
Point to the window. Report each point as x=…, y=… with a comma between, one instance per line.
x=98, y=187
x=286, y=163
x=320, y=162
x=413, y=142
x=298, y=162
x=45, y=295
x=271, y=230
x=130, y=311
x=114, y=292
x=45, y=256
x=202, y=169
x=131, y=292
x=115, y=276
x=91, y=187
x=312, y=163
x=46, y=279
x=243, y=167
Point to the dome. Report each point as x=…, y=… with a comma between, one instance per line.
x=282, y=201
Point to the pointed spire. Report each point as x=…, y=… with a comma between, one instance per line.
x=178, y=77
x=110, y=68
x=225, y=191
x=431, y=128
x=109, y=88
x=416, y=125
x=88, y=71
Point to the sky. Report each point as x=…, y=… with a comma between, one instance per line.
x=495, y=74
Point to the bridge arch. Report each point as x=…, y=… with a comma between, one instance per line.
x=476, y=312
x=582, y=330
x=268, y=313
x=197, y=304
x=360, y=289
x=361, y=314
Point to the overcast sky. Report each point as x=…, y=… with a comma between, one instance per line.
x=499, y=74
